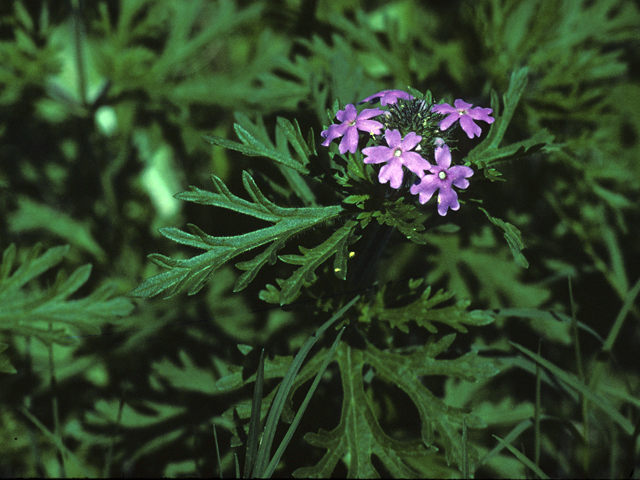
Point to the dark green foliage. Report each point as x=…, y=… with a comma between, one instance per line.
x=340, y=327
x=49, y=314
x=192, y=274
x=359, y=435
x=513, y=237
x=489, y=152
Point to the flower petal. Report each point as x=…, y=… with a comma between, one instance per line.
x=350, y=141
x=369, y=113
x=480, y=113
x=426, y=188
x=410, y=141
x=415, y=163
x=469, y=126
x=379, y=154
x=450, y=120
x=393, y=138
x=333, y=132
x=349, y=114
x=443, y=156
x=443, y=109
x=388, y=96
x=462, y=105
x=447, y=198
x=458, y=175
x=392, y=172
x=369, y=126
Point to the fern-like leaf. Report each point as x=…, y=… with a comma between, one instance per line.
x=423, y=312
x=489, y=151
x=337, y=244
x=192, y=274
x=359, y=435
x=513, y=237
x=27, y=310
x=262, y=147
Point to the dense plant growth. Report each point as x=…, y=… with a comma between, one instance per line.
x=408, y=248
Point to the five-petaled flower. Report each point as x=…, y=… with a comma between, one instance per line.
x=462, y=111
x=396, y=155
x=444, y=176
x=351, y=123
x=388, y=97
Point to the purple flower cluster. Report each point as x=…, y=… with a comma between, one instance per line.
x=410, y=128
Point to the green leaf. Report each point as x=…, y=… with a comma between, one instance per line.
x=56, y=439
x=287, y=368
x=285, y=387
x=254, y=425
x=513, y=237
x=489, y=152
x=358, y=436
x=541, y=139
x=305, y=403
x=510, y=98
x=192, y=274
x=435, y=415
x=33, y=266
x=337, y=244
x=357, y=200
x=32, y=215
x=5, y=363
x=487, y=261
x=574, y=383
x=295, y=138
x=286, y=133
x=423, y=313
x=261, y=147
x=407, y=218
x=30, y=311
x=522, y=458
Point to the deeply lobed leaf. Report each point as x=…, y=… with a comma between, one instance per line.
x=192, y=274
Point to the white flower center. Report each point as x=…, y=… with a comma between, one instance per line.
x=442, y=175
x=398, y=152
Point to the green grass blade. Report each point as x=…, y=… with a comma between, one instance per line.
x=294, y=425
x=215, y=437
x=57, y=441
x=617, y=325
x=522, y=458
x=513, y=434
x=579, y=386
x=254, y=423
x=285, y=387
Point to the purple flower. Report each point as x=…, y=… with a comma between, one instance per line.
x=396, y=155
x=388, y=96
x=443, y=177
x=463, y=112
x=351, y=123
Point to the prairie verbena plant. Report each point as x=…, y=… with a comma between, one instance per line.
x=389, y=163
x=345, y=290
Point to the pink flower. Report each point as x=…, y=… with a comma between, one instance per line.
x=465, y=114
x=351, y=123
x=388, y=96
x=444, y=176
x=396, y=155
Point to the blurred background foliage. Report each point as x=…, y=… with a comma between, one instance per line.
x=103, y=105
